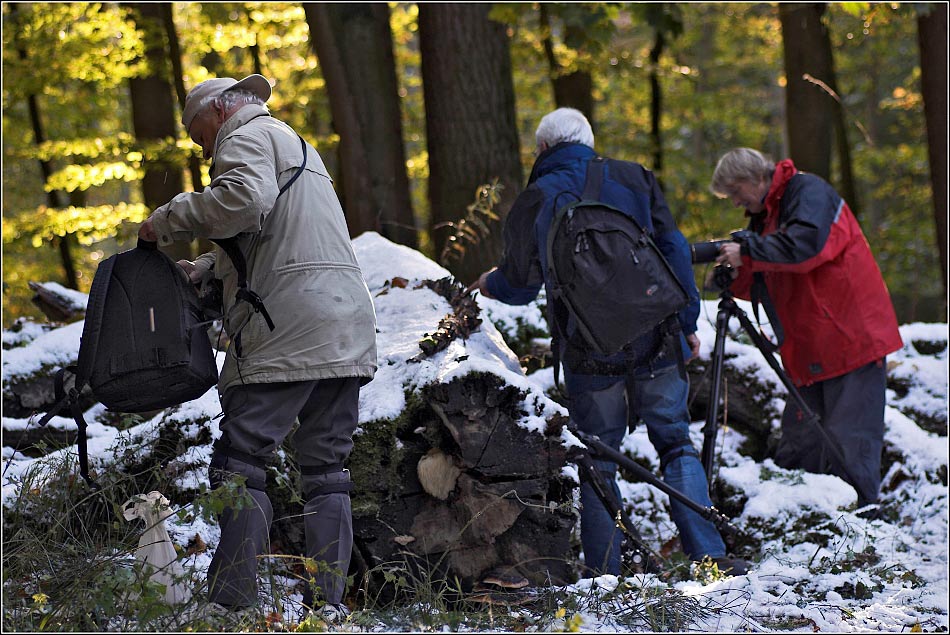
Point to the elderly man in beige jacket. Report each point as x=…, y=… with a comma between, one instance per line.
x=321, y=349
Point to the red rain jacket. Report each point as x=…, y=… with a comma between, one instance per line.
x=823, y=280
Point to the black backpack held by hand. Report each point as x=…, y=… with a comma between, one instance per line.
x=144, y=343
x=606, y=272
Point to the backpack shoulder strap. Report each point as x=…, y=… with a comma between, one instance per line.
x=230, y=247
x=594, y=179
x=82, y=444
x=303, y=148
x=89, y=343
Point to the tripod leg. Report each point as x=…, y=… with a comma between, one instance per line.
x=634, y=550
x=813, y=419
x=715, y=395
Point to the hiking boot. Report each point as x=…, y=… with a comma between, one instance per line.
x=731, y=566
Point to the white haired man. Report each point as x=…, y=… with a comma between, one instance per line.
x=642, y=382
x=270, y=189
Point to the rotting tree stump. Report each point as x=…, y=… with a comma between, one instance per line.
x=462, y=489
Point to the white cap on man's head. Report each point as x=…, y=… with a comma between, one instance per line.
x=256, y=84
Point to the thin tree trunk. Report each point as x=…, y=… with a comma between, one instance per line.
x=847, y=186
x=254, y=49
x=53, y=199
x=656, y=104
x=178, y=77
x=932, y=39
x=571, y=90
x=809, y=113
x=470, y=123
x=354, y=45
x=153, y=113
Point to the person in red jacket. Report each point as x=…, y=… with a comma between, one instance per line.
x=805, y=245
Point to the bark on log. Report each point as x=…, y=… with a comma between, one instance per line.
x=55, y=306
x=509, y=507
x=748, y=406
x=35, y=441
x=24, y=397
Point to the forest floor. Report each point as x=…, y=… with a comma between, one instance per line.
x=817, y=564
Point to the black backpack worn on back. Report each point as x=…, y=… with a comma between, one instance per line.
x=144, y=343
x=605, y=271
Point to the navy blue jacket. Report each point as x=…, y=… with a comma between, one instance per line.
x=557, y=179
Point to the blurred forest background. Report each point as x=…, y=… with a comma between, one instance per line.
x=425, y=115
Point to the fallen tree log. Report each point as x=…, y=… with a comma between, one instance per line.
x=749, y=405
x=58, y=303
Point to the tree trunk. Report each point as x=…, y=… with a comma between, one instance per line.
x=255, y=48
x=656, y=103
x=573, y=89
x=932, y=39
x=153, y=114
x=471, y=129
x=53, y=199
x=809, y=110
x=846, y=187
x=354, y=45
x=178, y=77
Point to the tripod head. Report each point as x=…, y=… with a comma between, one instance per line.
x=722, y=277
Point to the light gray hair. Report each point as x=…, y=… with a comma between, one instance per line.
x=564, y=124
x=740, y=165
x=231, y=98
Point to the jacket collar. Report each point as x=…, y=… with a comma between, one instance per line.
x=557, y=156
x=784, y=171
x=243, y=115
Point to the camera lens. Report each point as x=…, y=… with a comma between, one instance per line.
x=705, y=251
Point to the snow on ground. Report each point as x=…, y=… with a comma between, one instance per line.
x=820, y=567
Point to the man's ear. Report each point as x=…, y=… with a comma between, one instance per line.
x=219, y=111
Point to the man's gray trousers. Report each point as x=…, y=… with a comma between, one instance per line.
x=257, y=418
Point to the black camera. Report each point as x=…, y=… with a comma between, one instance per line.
x=708, y=251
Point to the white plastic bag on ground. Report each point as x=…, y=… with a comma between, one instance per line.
x=155, y=546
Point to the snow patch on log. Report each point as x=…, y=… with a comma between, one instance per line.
x=405, y=315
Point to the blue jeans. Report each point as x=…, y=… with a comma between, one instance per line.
x=600, y=406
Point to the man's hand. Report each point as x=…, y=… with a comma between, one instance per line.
x=481, y=285
x=191, y=270
x=147, y=232
x=729, y=255
x=693, y=340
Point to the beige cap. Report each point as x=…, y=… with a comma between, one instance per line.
x=256, y=84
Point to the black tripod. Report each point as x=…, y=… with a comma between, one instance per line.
x=633, y=548
x=727, y=309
